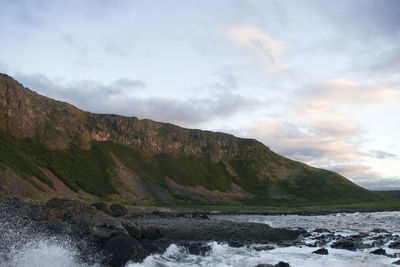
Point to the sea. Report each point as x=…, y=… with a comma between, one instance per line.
x=371, y=226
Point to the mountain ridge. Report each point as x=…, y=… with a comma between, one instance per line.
x=109, y=155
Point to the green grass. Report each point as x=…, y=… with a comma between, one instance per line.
x=94, y=170
x=90, y=169
x=185, y=170
x=13, y=156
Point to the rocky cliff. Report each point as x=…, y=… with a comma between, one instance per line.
x=51, y=148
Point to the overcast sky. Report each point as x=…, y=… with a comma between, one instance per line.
x=316, y=81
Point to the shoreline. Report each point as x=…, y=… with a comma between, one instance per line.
x=113, y=235
x=180, y=210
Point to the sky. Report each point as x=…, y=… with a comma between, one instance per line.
x=316, y=81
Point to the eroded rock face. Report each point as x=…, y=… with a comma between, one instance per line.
x=58, y=209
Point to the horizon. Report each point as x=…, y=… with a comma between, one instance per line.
x=315, y=81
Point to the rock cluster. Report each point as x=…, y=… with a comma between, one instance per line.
x=115, y=237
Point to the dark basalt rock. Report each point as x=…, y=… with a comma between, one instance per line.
x=132, y=228
x=396, y=262
x=61, y=209
x=121, y=249
x=344, y=244
x=197, y=215
x=322, y=230
x=395, y=245
x=379, y=251
x=279, y=264
x=150, y=232
x=197, y=248
x=118, y=210
x=101, y=206
x=261, y=248
x=160, y=214
x=379, y=231
x=321, y=251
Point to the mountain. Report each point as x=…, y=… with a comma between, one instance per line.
x=50, y=148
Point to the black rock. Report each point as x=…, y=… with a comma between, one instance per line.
x=321, y=251
x=279, y=264
x=121, y=249
x=132, y=228
x=118, y=210
x=159, y=214
x=322, y=230
x=261, y=248
x=197, y=215
x=396, y=262
x=395, y=245
x=379, y=251
x=101, y=206
x=198, y=248
x=379, y=231
x=344, y=244
x=150, y=232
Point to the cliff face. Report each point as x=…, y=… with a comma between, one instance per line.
x=26, y=114
x=116, y=156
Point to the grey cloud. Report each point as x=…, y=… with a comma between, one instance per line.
x=304, y=145
x=186, y=112
x=81, y=91
x=117, y=97
x=374, y=182
x=386, y=61
x=379, y=154
x=128, y=83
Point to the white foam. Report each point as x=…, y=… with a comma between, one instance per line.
x=223, y=255
x=44, y=253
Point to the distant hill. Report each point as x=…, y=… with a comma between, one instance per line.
x=50, y=148
x=389, y=194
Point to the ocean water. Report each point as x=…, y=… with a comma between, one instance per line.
x=344, y=224
x=42, y=251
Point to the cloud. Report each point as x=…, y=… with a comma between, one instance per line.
x=81, y=91
x=261, y=44
x=379, y=154
x=378, y=183
x=305, y=142
x=120, y=96
x=333, y=94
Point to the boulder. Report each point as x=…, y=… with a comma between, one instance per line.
x=132, y=228
x=321, y=251
x=264, y=247
x=279, y=264
x=197, y=215
x=395, y=245
x=379, y=251
x=150, y=232
x=344, y=244
x=121, y=249
x=101, y=206
x=197, y=248
x=118, y=210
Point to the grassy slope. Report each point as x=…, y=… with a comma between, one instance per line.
x=93, y=169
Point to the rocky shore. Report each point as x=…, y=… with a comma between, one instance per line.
x=116, y=236
x=113, y=235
